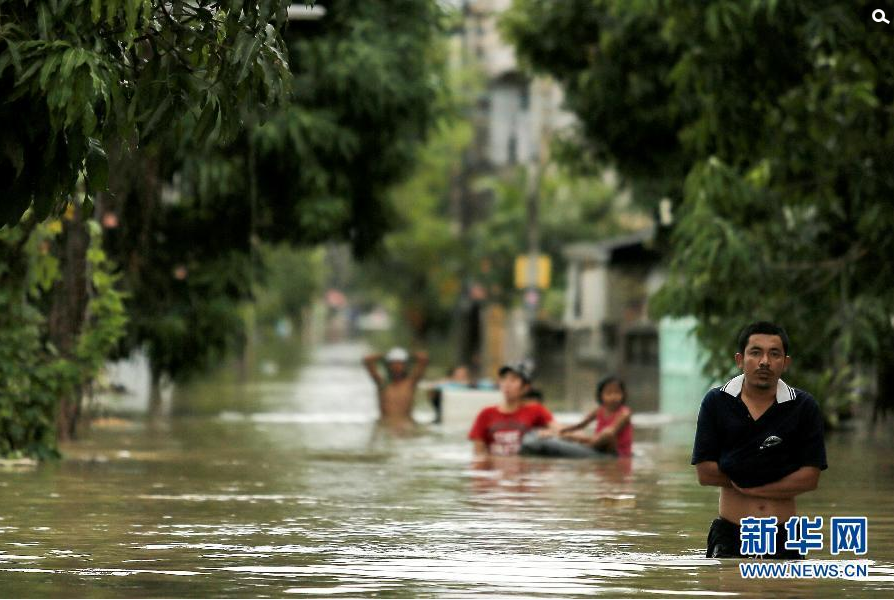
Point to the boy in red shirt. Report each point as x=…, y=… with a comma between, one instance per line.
x=498, y=429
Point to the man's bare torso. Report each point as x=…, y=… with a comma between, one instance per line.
x=397, y=388
x=735, y=505
x=396, y=400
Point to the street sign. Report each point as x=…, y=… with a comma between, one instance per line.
x=522, y=274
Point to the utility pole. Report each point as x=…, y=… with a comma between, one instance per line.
x=531, y=294
x=460, y=209
x=535, y=174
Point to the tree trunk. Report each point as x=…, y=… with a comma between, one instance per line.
x=884, y=397
x=155, y=400
x=69, y=311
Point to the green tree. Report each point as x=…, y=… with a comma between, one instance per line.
x=573, y=207
x=613, y=65
x=76, y=74
x=367, y=82
x=292, y=279
x=77, y=77
x=779, y=114
x=420, y=262
x=34, y=373
x=318, y=167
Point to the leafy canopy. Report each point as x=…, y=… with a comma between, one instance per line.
x=317, y=167
x=77, y=73
x=770, y=122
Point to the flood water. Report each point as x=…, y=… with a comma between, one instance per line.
x=284, y=487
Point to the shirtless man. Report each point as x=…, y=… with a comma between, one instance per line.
x=759, y=440
x=396, y=394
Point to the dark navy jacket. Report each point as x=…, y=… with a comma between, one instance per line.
x=788, y=436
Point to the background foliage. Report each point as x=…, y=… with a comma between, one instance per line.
x=75, y=74
x=33, y=373
x=363, y=91
x=778, y=113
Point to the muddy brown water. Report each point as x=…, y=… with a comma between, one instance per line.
x=285, y=487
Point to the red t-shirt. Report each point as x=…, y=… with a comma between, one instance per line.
x=502, y=432
x=604, y=419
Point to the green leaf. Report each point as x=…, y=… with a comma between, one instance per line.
x=157, y=115
x=48, y=69
x=12, y=48
x=71, y=59
x=44, y=21
x=207, y=122
x=44, y=204
x=14, y=152
x=13, y=205
x=248, y=59
x=97, y=166
x=25, y=75
x=87, y=205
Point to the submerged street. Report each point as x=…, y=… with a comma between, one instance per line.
x=286, y=487
x=316, y=299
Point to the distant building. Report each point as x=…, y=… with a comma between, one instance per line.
x=608, y=328
x=514, y=116
x=607, y=325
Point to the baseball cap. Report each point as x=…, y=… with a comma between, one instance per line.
x=397, y=354
x=524, y=369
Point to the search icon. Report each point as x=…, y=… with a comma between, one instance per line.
x=878, y=15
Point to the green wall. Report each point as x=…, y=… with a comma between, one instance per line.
x=682, y=384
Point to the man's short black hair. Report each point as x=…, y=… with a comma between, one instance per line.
x=766, y=328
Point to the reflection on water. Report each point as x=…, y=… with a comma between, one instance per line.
x=288, y=488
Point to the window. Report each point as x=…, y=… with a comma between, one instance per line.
x=641, y=348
